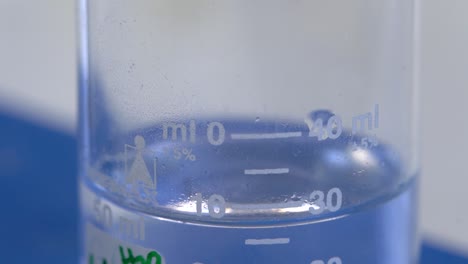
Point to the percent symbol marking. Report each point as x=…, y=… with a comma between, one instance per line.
x=181, y=153
x=188, y=154
x=184, y=153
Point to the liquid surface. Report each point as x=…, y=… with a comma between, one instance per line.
x=243, y=172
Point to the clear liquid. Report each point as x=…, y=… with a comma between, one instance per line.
x=265, y=218
x=384, y=234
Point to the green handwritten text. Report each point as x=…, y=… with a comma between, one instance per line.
x=130, y=259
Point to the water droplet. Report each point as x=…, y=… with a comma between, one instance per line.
x=320, y=114
x=295, y=198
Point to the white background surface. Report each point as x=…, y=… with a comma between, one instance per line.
x=37, y=80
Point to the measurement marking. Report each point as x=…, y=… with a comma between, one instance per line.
x=267, y=206
x=266, y=171
x=267, y=241
x=266, y=135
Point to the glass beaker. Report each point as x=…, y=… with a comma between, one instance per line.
x=239, y=131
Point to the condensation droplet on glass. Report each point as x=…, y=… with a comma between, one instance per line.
x=295, y=198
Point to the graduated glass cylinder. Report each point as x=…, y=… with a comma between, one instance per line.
x=248, y=131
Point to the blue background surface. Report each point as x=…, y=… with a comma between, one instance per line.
x=39, y=198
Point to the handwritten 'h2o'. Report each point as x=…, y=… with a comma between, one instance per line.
x=130, y=259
